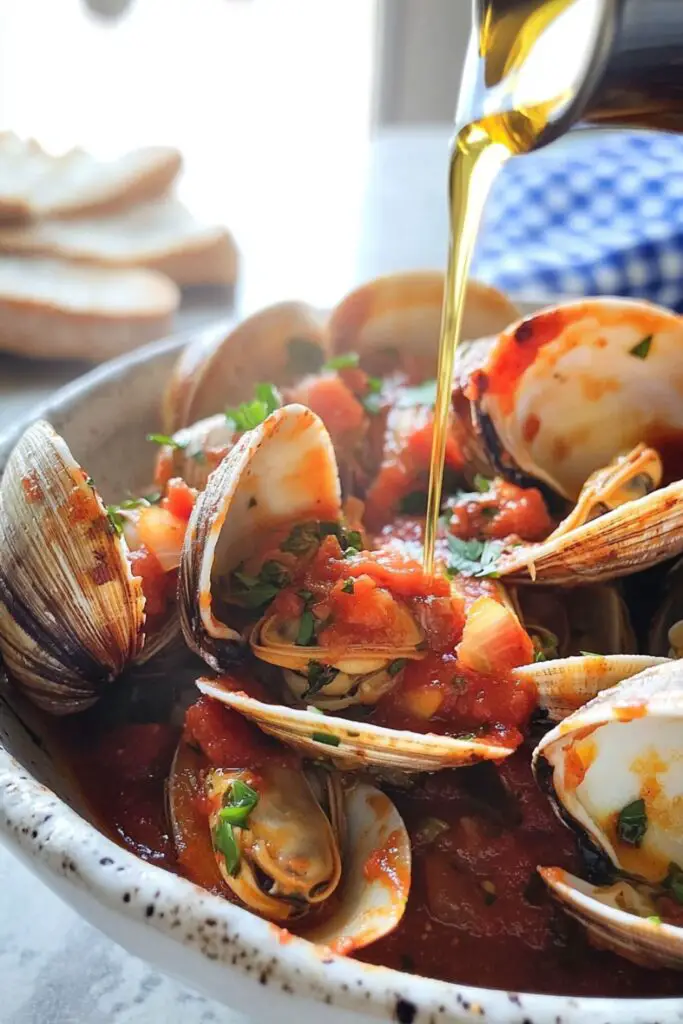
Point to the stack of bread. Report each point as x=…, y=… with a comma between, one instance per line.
x=93, y=254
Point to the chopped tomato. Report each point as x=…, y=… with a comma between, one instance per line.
x=405, y=463
x=227, y=739
x=333, y=401
x=158, y=586
x=162, y=532
x=179, y=499
x=502, y=511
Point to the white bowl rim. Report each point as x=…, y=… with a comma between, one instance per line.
x=59, y=844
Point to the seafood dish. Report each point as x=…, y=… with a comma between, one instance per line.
x=474, y=774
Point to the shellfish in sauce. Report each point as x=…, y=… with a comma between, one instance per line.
x=338, y=684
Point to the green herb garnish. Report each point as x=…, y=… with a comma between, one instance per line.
x=632, y=823
x=481, y=483
x=642, y=349
x=344, y=361
x=257, y=591
x=301, y=539
x=654, y=919
x=238, y=803
x=169, y=442
x=224, y=838
x=352, y=539
x=89, y=481
x=306, y=632
x=318, y=676
x=348, y=586
x=115, y=519
x=590, y=654
x=326, y=737
x=395, y=666
x=251, y=414
x=473, y=557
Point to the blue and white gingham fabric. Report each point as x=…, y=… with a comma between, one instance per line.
x=589, y=215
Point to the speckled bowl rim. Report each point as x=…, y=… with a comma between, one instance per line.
x=58, y=844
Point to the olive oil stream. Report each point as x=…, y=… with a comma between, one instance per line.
x=507, y=35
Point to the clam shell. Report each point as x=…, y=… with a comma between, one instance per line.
x=223, y=364
x=566, y=390
x=400, y=315
x=623, y=746
x=565, y=684
x=281, y=473
x=370, y=904
x=628, y=539
x=203, y=446
x=71, y=612
x=643, y=941
x=355, y=744
x=592, y=618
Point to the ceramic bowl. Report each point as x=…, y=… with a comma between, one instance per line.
x=211, y=944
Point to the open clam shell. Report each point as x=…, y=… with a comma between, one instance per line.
x=547, y=400
x=618, y=918
x=356, y=744
x=628, y=539
x=280, y=344
x=613, y=771
x=71, y=611
x=566, y=684
x=195, y=452
x=394, y=321
x=281, y=473
x=566, y=621
x=307, y=842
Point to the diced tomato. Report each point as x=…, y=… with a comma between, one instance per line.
x=504, y=510
x=158, y=586
x=227, y=739
x=179, y=499
x=334, y=402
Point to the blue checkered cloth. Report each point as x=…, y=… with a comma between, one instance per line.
x=589, y=215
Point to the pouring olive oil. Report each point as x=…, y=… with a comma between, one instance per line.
x=534, y=69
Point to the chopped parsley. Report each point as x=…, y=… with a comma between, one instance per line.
x=348, y=586
x=250, y=414
x=642, y=349
x=344, y=361
x=394, y=667
x=115, y=520
x=654, y=919
x=372, y=401
x=170, y=442
x=632, y=823
x=326, y=737
x=224, y=838
x=89, y=481
x=352, y=539
x=318, y=676
x=257, y=591
x=238, y=803
x=301, y=539
x=473, y=557
x=546, y=644
x=306, y=632
x=481, y=483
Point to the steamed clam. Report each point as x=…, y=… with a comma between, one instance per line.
x=613, y=770
x=71, y=610
x=291, y=842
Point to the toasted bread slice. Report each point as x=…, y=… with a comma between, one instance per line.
x=34, y=183
x=161, y=235
x=55, y=310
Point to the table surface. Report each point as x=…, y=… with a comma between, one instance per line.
x=386, y=212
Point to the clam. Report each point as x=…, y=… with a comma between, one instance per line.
x=279, y=474
x=627, y=539
x=394, y=321
x=666, y=630
x=293, y=845
x=566, y=621
x=562, y=393
x=195, y=451
x=223, y=364
x=613, y=770
x=71, y=611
